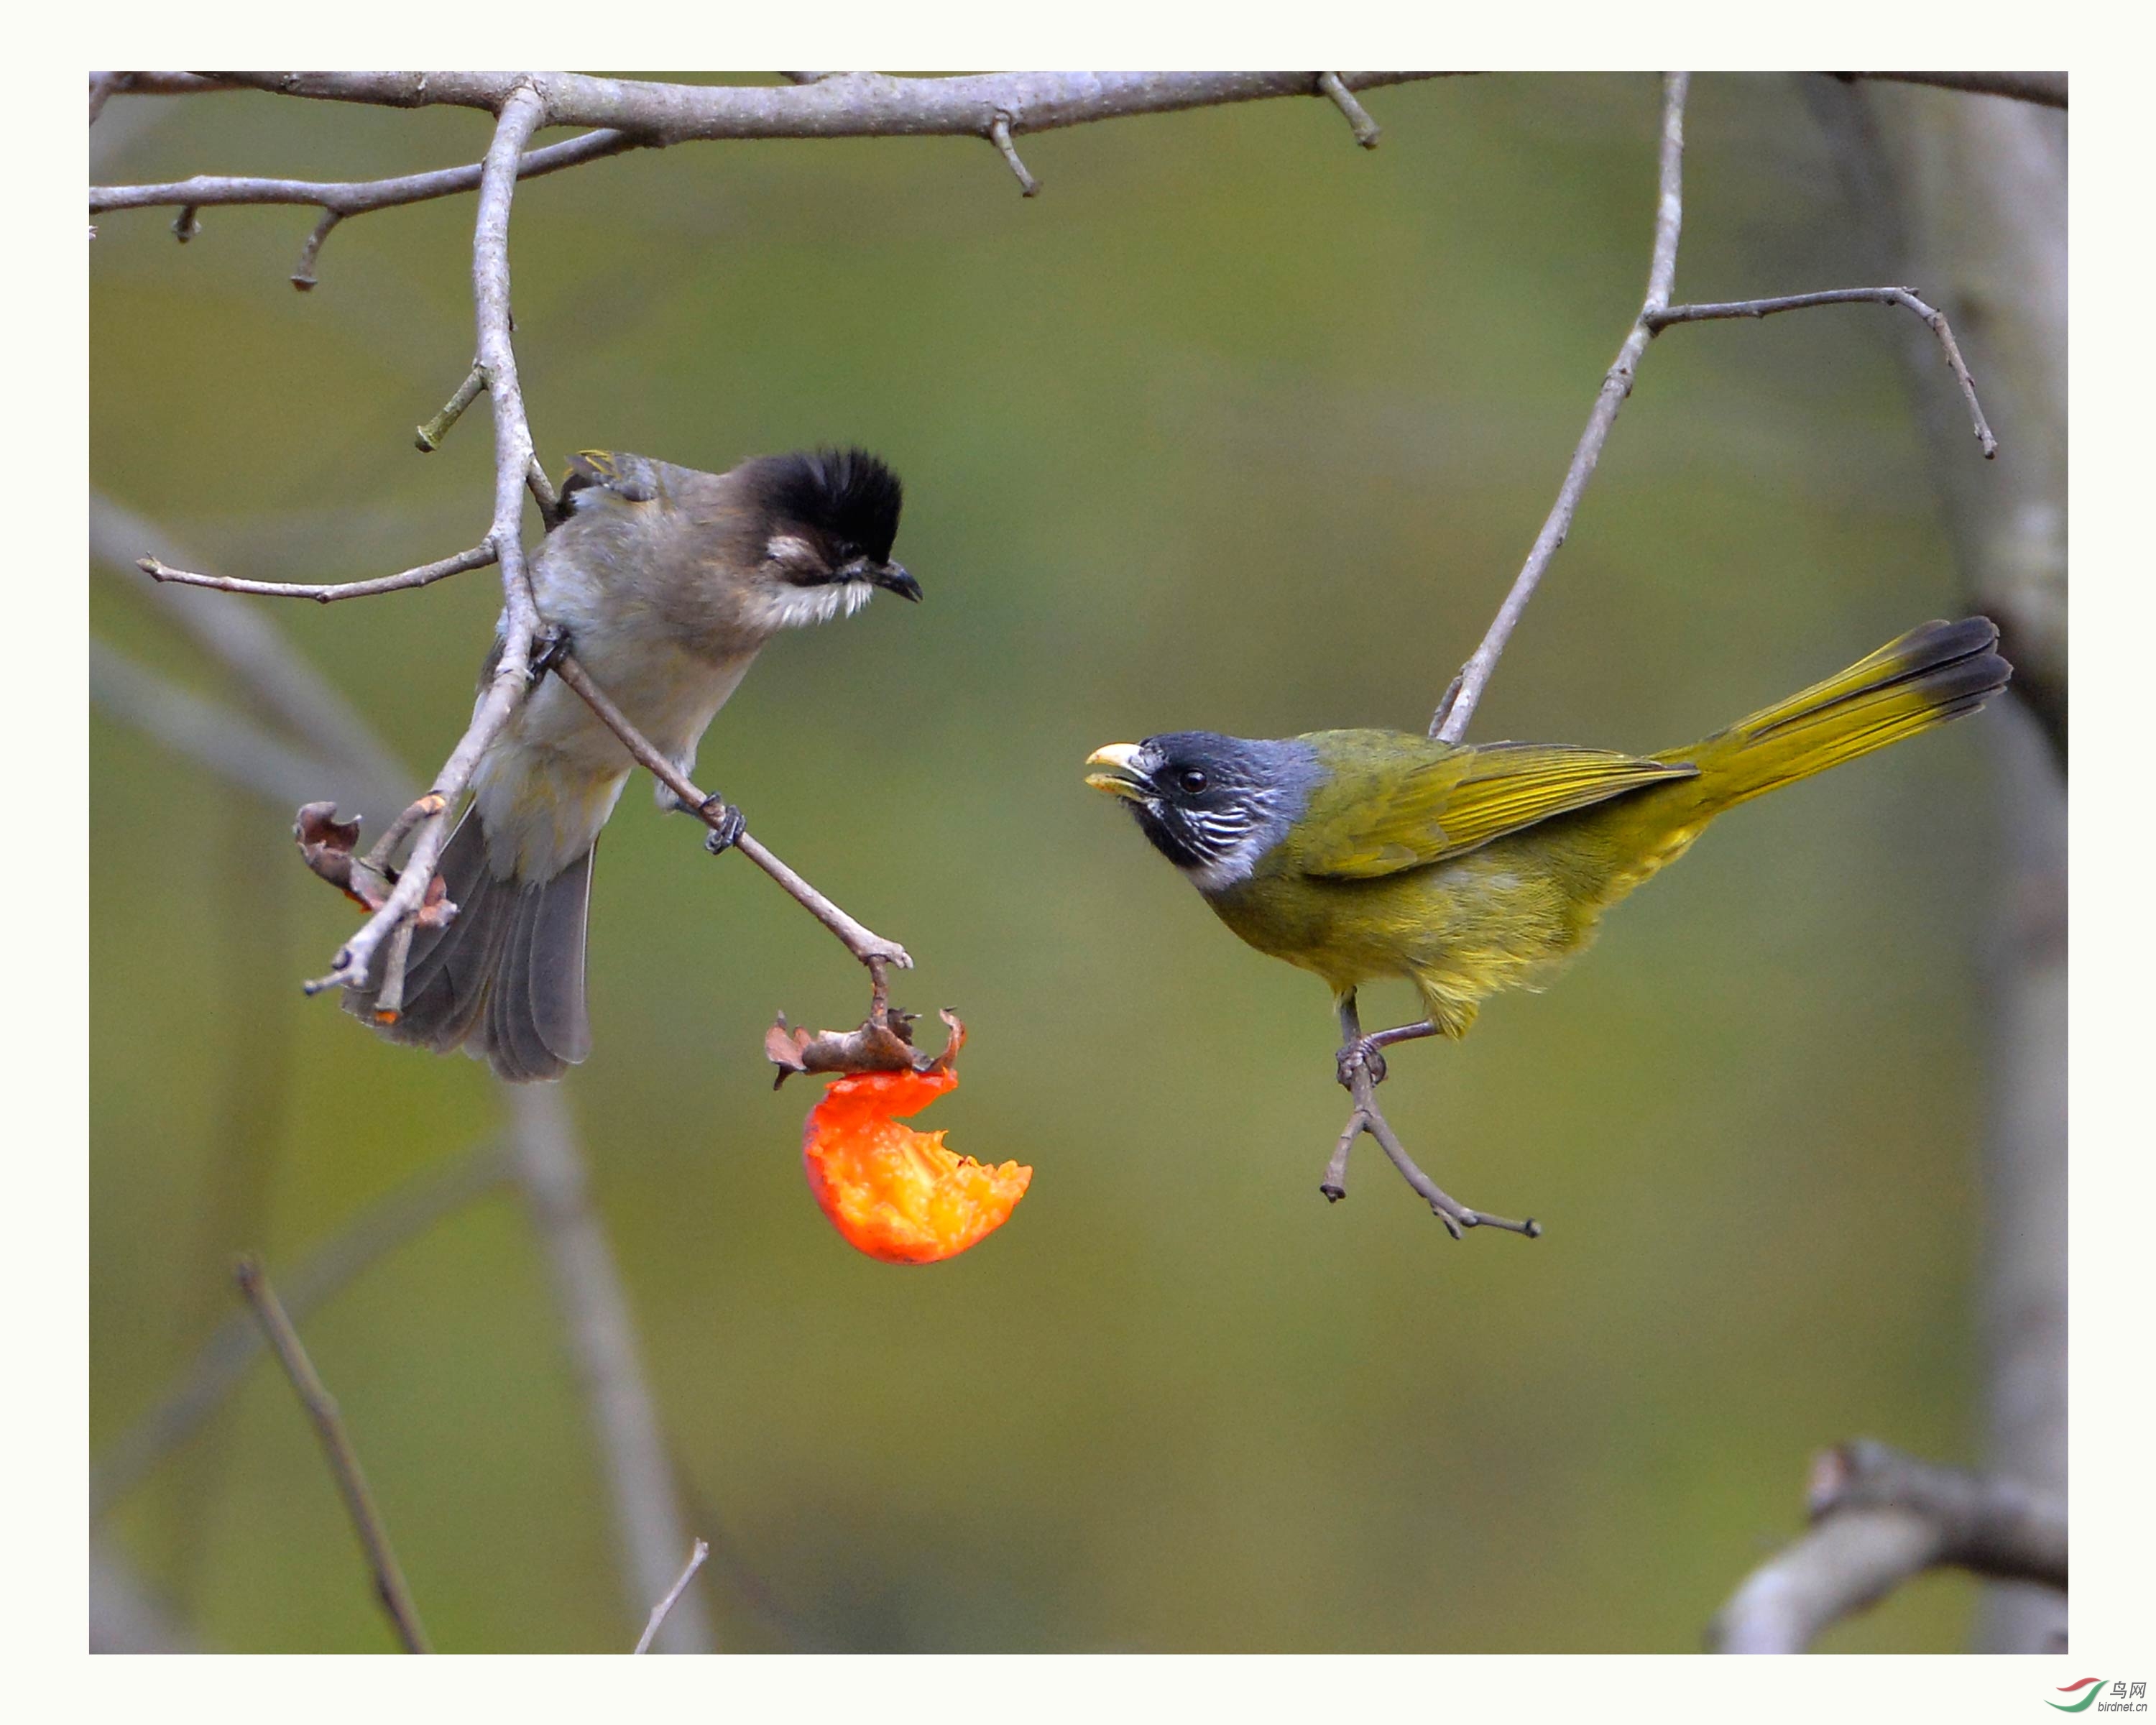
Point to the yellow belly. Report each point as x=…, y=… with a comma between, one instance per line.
x=1503, y=917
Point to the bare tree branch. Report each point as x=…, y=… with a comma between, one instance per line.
x=2046, y=89
x=353, y=198
x=864, y=943
x=1880, y=1516
x=1902, y=296
x=321, y=1408
x=522, y=113
x=697, y=1553
x=601, y=1338
x=1456, y=706
x=478, y=557
x=1449, y=723
x=843, y=105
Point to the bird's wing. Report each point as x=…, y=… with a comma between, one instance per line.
x=628, y=477
x=1463, y=798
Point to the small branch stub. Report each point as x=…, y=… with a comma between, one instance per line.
x=1367, y=131
x=428, y=437
x=999, y=135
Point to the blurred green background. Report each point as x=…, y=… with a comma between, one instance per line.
x=1235, y=426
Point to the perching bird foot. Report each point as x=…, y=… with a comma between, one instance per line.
x=547, y=650
x=731, y=828
x=1360, y=1056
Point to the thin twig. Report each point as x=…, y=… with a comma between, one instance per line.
x=1367, y=131
x=321, y=1408
x=999, y=135
x=339, y=200
x=1880, y=1516
x=864, y=943
x=1449, y=722
x=599, y=1332
x=392, y=1221
x=326, y=593
x=697, y=1553
x=1900, y=297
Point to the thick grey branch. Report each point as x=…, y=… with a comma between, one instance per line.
x=1880, y=1516
x=846, y=105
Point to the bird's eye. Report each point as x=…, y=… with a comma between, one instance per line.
x=1192, y=780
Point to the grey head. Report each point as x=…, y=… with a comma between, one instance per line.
x=1212, y=805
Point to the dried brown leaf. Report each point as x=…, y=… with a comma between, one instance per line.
x=871, y=1047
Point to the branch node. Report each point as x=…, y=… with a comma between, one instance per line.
x=999, y=135
x=1367, y=131
x=186, y=224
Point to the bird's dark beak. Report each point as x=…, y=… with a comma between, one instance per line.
x=893, y=578
x=1121, y=776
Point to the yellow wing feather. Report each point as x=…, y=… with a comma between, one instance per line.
x=1373, y=819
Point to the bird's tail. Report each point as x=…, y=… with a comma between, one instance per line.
x=505, y=978
x=1937, y=672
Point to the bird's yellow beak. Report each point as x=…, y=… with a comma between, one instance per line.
x=1120, y=777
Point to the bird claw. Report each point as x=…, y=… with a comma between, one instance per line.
x=732, y=825
x=1360, y=1056
x=548, y=650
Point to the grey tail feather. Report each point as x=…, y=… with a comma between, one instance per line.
x=506, y=977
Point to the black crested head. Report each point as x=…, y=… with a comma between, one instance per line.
x=847, y=497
